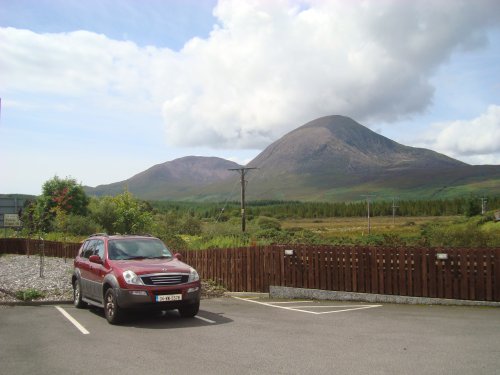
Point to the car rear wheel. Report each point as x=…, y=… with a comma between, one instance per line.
x=77, y=295
x=112, y=311
x=189, y=311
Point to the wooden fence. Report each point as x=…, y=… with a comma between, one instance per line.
x=34, y=247
x=470, y=274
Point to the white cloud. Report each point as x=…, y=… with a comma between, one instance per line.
x=476, y=141
x=81, y=65
x=271, y=66
x=268, y=66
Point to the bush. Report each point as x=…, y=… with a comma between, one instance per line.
x=214, y=241
x=190, y=225
x=468, y=233
x=307, y=237
x=174, y=242
x=29, y=294
x=472, y=207
x=82, y=225
x=270, y=236
x=268, y=223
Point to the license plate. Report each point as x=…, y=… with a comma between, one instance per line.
x=169, y=297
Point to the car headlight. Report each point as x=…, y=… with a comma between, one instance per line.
x=193, y=275
x=131, y=278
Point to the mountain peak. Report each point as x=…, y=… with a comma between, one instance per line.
x=173, y=179
x=340, y=144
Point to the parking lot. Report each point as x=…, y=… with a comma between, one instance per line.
x=254, y=336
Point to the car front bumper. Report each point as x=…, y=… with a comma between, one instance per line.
x=146, y=298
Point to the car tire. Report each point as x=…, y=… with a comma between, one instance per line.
x=189, y=311
x=77, y=295
x=112, y=311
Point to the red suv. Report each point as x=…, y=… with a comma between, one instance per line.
x=129, y=272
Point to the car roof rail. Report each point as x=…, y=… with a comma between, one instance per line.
x=99, y=235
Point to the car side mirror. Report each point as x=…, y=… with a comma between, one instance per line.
x=178, y=256
x=95, y=259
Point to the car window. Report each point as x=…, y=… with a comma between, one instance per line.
x=88, y=249
x=99, y=248
x=138, y=248
x=82, y=248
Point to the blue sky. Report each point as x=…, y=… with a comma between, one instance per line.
x=102, y=90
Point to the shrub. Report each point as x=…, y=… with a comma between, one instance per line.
x=190, y=225
x=82, y=225
x=29, y=294
x=268, y=223
x=212, y=241
x=270, y=236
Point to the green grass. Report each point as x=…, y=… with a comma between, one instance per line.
x=29, y=294
x=384, y=231
x=358, y=226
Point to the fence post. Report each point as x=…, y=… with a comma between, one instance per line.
x=42, y=256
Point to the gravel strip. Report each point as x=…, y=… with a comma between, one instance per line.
x=21, y=273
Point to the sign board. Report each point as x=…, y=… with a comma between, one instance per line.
x=10, y=206
x=11, y=220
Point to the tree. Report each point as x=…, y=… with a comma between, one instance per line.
x=132, y=215
x=122, y=214
x=103, y=211
x=60, y=198
x=36, y=218
x=472, y=207
x=65, y=195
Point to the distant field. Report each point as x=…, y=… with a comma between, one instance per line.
x=355, y=226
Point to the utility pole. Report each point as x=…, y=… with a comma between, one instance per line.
x=394, y=211
x=483, y=205
x=242, y=172
x=368, y=200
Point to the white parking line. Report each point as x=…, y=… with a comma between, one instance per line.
x=72, y=320
x=301, y=308
x=291, y=302
x=205, y=319
x=360, y=307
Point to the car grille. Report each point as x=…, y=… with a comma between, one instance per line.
x=162, y=279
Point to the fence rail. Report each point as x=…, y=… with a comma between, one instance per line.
x=469, y=274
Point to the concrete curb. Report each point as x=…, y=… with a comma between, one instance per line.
x=292, y=293
x=246, y=294
x=36, y=303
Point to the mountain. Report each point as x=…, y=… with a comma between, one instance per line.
x=173, y=180
x=335, y=158
x=332, y=158
x=340, y=144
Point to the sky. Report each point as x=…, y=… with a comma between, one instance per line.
x=100, y=90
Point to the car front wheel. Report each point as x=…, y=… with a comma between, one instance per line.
x=112, y=311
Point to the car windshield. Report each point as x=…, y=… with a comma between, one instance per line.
x=143, y=248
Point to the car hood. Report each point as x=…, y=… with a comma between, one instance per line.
x=147, y=266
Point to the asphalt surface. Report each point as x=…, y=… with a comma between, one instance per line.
x=237, y=336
